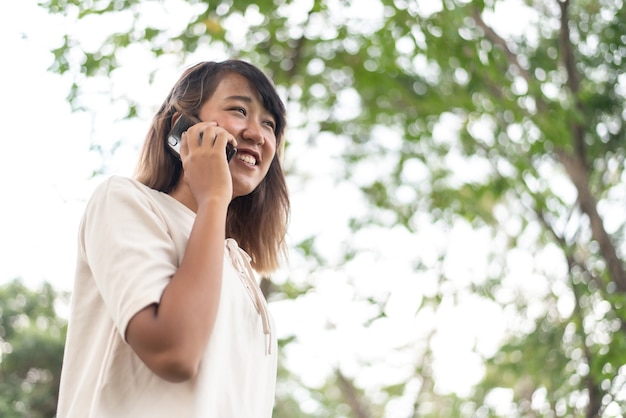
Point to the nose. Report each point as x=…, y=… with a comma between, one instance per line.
x=253, y=133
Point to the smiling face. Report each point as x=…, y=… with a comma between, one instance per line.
x=237, y=107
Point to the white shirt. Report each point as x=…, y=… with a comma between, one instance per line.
x=131, y=241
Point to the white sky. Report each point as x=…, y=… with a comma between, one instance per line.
x=46, y=165
x=43, y=163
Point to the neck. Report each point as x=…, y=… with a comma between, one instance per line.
x=183, y=194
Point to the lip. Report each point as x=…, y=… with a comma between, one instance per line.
x=255, y=154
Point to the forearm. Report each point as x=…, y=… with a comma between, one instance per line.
x=171, y=337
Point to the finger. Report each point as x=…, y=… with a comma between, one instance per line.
x=231, y=139
x=184, y=148
x=198, y=132
x=212, y=134
x=222, y=137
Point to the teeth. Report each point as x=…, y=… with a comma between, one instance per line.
x=247, y=158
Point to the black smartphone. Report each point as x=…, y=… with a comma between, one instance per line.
x=182, y=124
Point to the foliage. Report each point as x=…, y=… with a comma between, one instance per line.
x=520, y=134
x=32, y=338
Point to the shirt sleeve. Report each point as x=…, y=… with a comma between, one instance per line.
x=128, y=248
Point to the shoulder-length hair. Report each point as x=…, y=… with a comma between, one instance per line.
x=258, y=221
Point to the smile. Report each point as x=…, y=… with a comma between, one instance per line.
x=246, y=158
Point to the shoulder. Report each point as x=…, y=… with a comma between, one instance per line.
x=121, y=184
x=119, y=197
x=122, y=188
x=118, y=194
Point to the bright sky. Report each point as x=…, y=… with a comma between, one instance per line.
x=47, y=164
x=44, y=161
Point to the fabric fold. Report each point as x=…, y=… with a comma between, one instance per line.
x=241, y=261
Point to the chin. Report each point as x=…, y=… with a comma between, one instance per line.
x=242, y=191
x=243, y=187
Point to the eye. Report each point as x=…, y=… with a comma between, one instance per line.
x=240, y=110
x=271, y=124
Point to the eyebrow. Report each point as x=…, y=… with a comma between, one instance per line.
x=247, y=99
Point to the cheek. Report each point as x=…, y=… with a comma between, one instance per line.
x=269, y=166
x=269, y=149
x=270, y=145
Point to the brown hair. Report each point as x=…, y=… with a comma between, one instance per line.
x=258, y=221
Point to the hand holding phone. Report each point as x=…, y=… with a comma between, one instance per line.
x=182, y=124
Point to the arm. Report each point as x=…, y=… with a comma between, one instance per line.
x=170, y=337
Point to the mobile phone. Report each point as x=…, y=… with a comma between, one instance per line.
x=182, y=124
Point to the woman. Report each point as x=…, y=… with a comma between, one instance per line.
x=167, y=318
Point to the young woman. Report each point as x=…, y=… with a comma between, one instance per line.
x=167, y=318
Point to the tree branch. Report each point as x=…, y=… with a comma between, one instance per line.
x=591, y=384
x=593, y=391
x=565, y=45
x=573, y=80
x=573, y=261
x=501, y=43
x=577, y=172
x=575, y=165
x=351, y=396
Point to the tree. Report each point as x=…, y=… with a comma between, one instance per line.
x=518, y=135
x=32, y=337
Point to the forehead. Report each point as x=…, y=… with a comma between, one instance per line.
x=236, y=83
